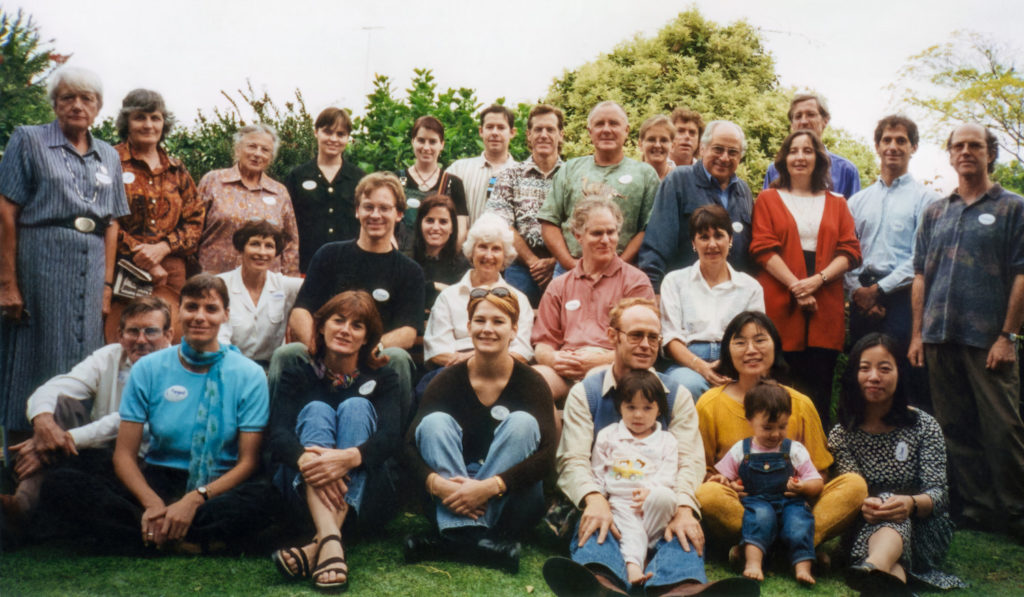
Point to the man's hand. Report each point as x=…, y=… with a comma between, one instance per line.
x=865, y=297
x=50, y=437
x=1003, y=352
x=597, y=516
x=541, y=270
x=685, y=526
x=28, y=461
x=915, y=354
x=568, y=365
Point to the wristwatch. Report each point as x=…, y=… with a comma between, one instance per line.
x=204, y=492
x=1011, y=336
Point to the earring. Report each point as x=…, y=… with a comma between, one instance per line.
x=694, y=247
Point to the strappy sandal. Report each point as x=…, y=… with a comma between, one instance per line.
x=297, y=554
x=334, y=564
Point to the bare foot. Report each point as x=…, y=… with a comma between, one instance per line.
x=753, y=557
x=753, y=572
x=293, y=564
x=803, y=572
x=635, y=574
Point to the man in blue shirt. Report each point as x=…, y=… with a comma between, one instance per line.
x=808, y=111
x=887, y=215
x=712, y=180
x=968, y=302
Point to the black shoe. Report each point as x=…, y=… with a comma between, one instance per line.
x=567, y=578
x=858, y=576
x=417, y=548
x=503, y=555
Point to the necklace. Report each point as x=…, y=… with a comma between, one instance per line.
x=74, y=177
x=424, y=182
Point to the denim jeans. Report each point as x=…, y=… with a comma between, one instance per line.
x=439, y=440
x=347, y=426
x=518, y=276
x=671, y=564
x=789, y=519
x=690, y=379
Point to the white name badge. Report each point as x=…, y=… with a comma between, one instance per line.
x=626, y=179
x=902, y=451
x=103, y=178
x=898, y=227
x=277, y=296
x=737, y=227
x=309, y=185
x=987, y=219
x=381, y=295
x=269, y=200
x=367, y=388
x=413, y=203
x=499, y=412
x=128, y=177
x=103, y=169
x=175, y=393
x=572, y=305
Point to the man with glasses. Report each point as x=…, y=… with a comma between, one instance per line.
x=711, y=181
x=596, y=566
x=75, y=415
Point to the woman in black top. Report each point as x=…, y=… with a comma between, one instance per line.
x=334, y=425
x=435, y=246
x=481, y=443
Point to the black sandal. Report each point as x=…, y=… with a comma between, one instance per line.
x=334, y=564
x=298, y=555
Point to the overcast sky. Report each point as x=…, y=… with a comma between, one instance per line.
x=191, y=49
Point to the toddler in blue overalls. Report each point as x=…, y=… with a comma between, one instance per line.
x=774, y=477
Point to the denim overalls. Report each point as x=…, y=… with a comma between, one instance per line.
x=766, y=509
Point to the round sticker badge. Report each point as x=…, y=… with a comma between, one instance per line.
x=269, y=200
x=175, y=393
x=413, y=203
x=572, y=305
x=380, y=295
x=367, y=388
x=902, y=451
x=626, y=179
x=737, y=227
x=128, y=177
x=898, y=227
x=309, y=185
x=987, y=219
x=103, y=178
x=499, y=412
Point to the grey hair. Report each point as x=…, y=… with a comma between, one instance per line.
x=588, y=205
x=259, y=127
x=75, y=78
x=490, y=227
x=803, y=97
x=607, y=104
x=705, y=139
x=146, y=101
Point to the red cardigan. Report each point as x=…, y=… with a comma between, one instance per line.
x=774, y=232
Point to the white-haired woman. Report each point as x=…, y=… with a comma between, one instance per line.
x=489, y=249
x=60, y=192
x=244, y=192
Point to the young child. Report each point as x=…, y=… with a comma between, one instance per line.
x=635, y=462
x=777, y=477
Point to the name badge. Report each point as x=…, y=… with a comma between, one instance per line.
x=902, y=451
x=269, y=200
x=128, y=177
x=367, y=388
x=380, y=295
x=175, y=394
x=309, y=185
x=626, y=179
x=987, y=219
x=737, y=227
x=499, y=412
x=413, y=203
x=572, y=305
x=103, y=178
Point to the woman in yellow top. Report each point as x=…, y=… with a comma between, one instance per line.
x=748, y=355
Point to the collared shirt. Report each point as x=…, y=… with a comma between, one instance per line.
x=478, y=180
x=164, y=203
x=887, y=219
x=631, y=184
x=573, y=312
x=692, y=311
x=667, y=245
x=622, y=462
x=969, y=256
x=258, y=329
x=448, y=326
x=518, y=195
x=325, y=210
x=845, y=176
x=723, y=194
x=100, y=378
x=575, y=478
x=230, y=204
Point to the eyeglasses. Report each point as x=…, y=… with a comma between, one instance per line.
x=636, y=337
x=732, y=152
x=500, y=292
x=149, y=333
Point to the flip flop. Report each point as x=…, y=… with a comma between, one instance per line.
x=298, y=555
x=333, y=564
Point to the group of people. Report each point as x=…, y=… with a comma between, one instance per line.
x=459, y=333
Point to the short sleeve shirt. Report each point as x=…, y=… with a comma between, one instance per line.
x=518, y=195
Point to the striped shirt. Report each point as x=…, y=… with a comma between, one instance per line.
x=478, y=179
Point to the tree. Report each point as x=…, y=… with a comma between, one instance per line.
x=723, y=72
x=970, y=78
x=25, y=63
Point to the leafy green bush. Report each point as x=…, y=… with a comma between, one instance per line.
x=25, y=63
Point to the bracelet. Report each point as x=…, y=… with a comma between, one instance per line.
x=500, y=484
x=824, y=278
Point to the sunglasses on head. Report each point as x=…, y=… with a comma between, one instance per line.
x=500, y=292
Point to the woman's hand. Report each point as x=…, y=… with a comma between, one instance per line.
x=736, y=485
x=150, y=256
x=178, y=516
x=470, y=499
x=806, y=287
x=11, y=302
x=332, y=495
x=894, y=508
x=809, y=304
x=327, y=465
x=707, y=371
x=153, y=522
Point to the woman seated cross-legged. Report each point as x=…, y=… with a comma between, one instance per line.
x=334, y=429
x=481, y=443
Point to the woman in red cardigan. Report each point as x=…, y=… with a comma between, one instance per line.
x=803, y=238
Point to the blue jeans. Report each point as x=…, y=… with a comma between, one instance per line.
x=789, y=519
x=671, y=564
x=690, y=379
x=347, y=426
x=439, y=440
x=559, y=270
x=518, y=276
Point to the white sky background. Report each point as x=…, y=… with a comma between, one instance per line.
x=191, y=49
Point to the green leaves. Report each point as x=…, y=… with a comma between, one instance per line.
x=25, y=62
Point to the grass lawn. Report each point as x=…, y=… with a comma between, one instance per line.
x=990, y=563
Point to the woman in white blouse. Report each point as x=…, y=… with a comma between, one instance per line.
x=260, y=298
x=698, y=301
x=489, y=249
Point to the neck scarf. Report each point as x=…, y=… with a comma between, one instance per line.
x=206, y=437
x=338, y=380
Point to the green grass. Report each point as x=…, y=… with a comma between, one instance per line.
x=989, y=562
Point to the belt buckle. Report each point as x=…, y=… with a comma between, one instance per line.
x=86, y=225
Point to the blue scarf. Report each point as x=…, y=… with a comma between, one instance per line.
x=209, y=416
